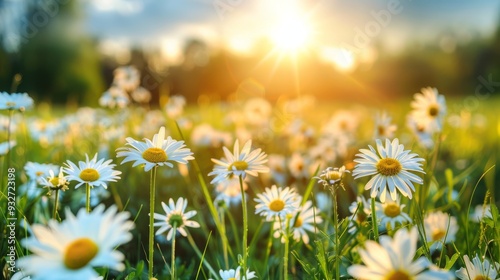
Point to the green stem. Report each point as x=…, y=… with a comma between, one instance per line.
x=285, y=254
x=87, y=194
x=223, y=233
x=151, y=220
x=336, y=227
x=172, y=262
x=56, y=201
x=245, y=227
x=374, y=220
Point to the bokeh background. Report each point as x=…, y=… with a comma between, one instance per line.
x=363, y=51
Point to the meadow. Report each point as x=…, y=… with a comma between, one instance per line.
x=326, y=217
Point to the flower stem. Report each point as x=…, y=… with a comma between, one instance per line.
x=56, y=201
x=245, y=226
x=336, y=227
x=374, y=220
x=151, y=220
x=287, y=245
x=172, y=262
x=87, y=192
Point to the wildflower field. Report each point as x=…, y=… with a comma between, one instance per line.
x=294, y=188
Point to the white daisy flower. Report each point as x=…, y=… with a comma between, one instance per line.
x=156, y=152
x=305, y=222
x=236, y=274
x=424, y=137
x=6, y=146
x=239, y=163
x=331, y=176
x=55, y=183
x=277, y=202
x=391, y=167
x=440, y=228
x=127, y=77
x=478, y=269
x=175, y=106
x=429, y=109
x=391, y=212
x=383, y=126
x=114, y=97
x=70, y=250
x=257, y=111
x=277, y=165
x=20, y=276
x=480, y=212
x=393, y=259
x=298, y=166
x=92, y=172
x=15, y=101
x=141, y=95
x=360, y=210
x=229, y=191
x=175, y=215
x=36, y=171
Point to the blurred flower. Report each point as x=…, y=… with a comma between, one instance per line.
x=6, y=146
x=69, y=250
x=55, y=183
x=440, y=228
x=429, y=109
x=391, y=212
x=360, y=210
x=393, y=259
x=477, y=269
x=36, y=171
x=424, y=137
x=239, y=163
x=157, y=152
x=127, y=78
x=204, y=135
x=20, y=276
x=114, y=97
x=229, y=191
x=298, y=166
x=175, y=216
x=342, y=124
x=175, y=106
x=15, y=101
x=92, y=172
x=306, y=221
x=277, y=202
x=391, y=168
x=236, y=274
x=257, y=111
x=277, y=166
x=383, y=127
x=141, y=95
x=480, y=212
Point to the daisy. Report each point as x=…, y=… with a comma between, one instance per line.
x=239, y=163
x=277, y=202
x=480, y=212
x=391, y=167
x=55, y=183
x=229, y=191
x=331, y=176
x=92, y=172
x=257, y=111
x=477, y=269
x=298, y=166
x=175, y=216
x=15, y=101
x=156, y=152
x=424, y=137
x=391, y=212
x=6, y=146
x=305, y=222
x=440, y=228
x=360, y=210
x=127, y=78
x=114, y=97
x=236, y=274
x=383, y=126
x=141, y=95
x=36, y=171
x=393, y=259
x=429, y=109
x=175, y=106
x=20, y=276
x=70, y=250
x=277, y=166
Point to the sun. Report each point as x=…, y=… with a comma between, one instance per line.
x=291, y=33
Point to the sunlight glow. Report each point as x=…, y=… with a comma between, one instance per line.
x=342, y=59
x=291, y=33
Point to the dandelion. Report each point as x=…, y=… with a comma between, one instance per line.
x=277, y=202
x=477, y=269
x=393, y=259
x=306, y=221
x=391, y=167
x=92, y=173
x=440, y=228
x=15, y=101
x=175, y=221
x=391, y=212
x=239, y=163
x=429, y=109
x=70, y=250
x=55, y=184
x=154, y=153
x=232, y=274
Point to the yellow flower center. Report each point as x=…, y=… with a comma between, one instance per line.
x=89, y=175
x=392, y=210
x=232, y=278
x=482, y=277
x=298, y=223
x=389, y=167
x=39, y=173
x=333, y=175
x=361, y=216
x=239, y=165
x=381, y=130
x=155, y=155
x=398, y=275
x=277, y=205
x=10, y=104
x=79, y=253
x=54, y=181
x=433, y=110
x=438, y=234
